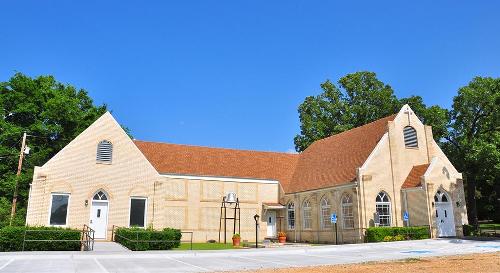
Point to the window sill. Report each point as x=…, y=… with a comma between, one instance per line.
x=411, y=148
x=103, y=163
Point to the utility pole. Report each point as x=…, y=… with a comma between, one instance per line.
x=19, y=168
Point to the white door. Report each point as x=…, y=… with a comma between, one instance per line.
x=445, y=220
x=99, y=219
x=271, y=223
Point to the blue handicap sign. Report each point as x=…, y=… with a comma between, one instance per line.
x=333, y=218
x=406, y=216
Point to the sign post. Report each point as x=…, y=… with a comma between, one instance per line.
x=406, y=217
x=333, y=220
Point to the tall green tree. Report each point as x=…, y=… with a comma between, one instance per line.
x=474, y=145
x=359, y=98
x=52, y=114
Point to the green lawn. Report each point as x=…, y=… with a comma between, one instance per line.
x=205, y=246
x=490, y=226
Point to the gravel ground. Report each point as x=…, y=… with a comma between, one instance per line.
x=489, y=263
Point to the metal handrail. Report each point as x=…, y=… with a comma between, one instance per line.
x=86, y=238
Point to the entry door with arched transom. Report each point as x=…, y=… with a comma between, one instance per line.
x=99, y=214
x=445, y=221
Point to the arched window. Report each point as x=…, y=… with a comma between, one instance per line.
x=441, y=197
x=347, y=213
x=383, y=209
x=410, y=135
x=104, y=152
x=100, y=196
x=325, y=213
x=306, y=215
x=291, y=215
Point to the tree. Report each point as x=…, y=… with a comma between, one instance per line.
x=359, y=98
x=473, y=145
x=52, y=114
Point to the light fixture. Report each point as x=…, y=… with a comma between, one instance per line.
x=86, y=203
x=26, y=150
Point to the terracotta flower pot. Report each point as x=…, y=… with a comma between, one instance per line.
x=282, y=239
x=236, y=241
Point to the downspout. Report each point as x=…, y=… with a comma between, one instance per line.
x=28, y=206
x=358, y=203
x=392, y=175
x=406, y=206
x=154, y=200
x=426, y=189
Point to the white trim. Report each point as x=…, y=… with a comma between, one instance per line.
x=145, y=209
x=220, y=178
x=431, y=166
x=67, y=210
x=375, y=150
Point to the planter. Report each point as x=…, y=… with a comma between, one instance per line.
x=282, y=239
x=236, y=241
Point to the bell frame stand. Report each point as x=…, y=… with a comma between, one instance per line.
x=223, y=217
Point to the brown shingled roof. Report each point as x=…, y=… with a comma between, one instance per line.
x=333, y=160
x=325, y=163
x=204, y=161
x=413, y=178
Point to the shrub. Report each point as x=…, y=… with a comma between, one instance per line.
x=388, y=239
x=379, y=234
x=469, y=230
x=148, y=239
x=236, y=236
x=11, y=239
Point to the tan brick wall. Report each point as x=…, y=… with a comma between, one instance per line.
x=417, y=207
x=74, y=170
x=317, y=233
x=390, y=164
x=188, y=204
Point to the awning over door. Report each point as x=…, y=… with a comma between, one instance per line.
x=273, y=206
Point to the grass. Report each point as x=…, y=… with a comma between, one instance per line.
x=490, y=226
x=204, y=246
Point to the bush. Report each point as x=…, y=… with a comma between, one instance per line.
x=379, y=234
x=469, y=230
x=11, y=238
x=148, y=239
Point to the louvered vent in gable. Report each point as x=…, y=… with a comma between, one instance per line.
x=104, y=152
x=410, y=135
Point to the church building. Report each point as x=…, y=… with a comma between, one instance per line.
x=389, y=172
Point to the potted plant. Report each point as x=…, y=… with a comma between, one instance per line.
x=236, y=239
x=281, y=237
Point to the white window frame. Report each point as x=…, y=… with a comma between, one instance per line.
x=145, y=209
x=384, y=203
x=288, y=210
x=347, y=204
x=307, y=220
x=325, y=217
x=67, y=210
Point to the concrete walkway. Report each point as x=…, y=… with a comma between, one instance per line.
x=232, y=260
x=109, y=247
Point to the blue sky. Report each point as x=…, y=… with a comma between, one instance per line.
x=232, y=73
